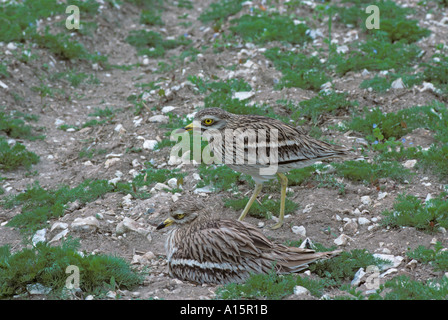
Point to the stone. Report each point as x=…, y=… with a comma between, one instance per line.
x=59, y=122
x=88, y=224
x=243, y=95
x=366, y=200
x=59, y=225
x=160, y=187
x=110, y=162
x=168, y=109
x=342, y=240
x=382, y=195
x=149, y=144
x=39, y=236
x=59, y=236
x=308, y=208
x=119, y=128
x=363, y=221
x=299, y=290
x=398, y=84
x=130, y=225
x=172, y=183
x=37, y=288
x=301, y=231
x=342, y=49
x=159, y=119
x=350, y=227
x=394, y=261
x=409, y=164
x=358, y=277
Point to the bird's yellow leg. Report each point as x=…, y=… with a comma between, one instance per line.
x=284, y=183
x=257, y=190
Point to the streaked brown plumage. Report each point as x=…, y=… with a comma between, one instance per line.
x=206, y=249
x=266, y=148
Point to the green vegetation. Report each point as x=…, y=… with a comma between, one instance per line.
x=220, y=177
x=436, y=71
x=408, y=210
x=46, y=265
x=14, y=125
x=382, y=84
x=371, y=172
x=269, y=286
x=13, y=157
x=437, y=258
x=272, y=286
x=316, y=108
x=345, y=265
x=152, y=44
x=219, y=11
x=298, y=69
x=403, y=288
x=263, y=209
x=377, y=54
x=264, y=28
x=221, y=96
x=150, y=18
x=39, y=205
x=14, y=154
x=394, y=26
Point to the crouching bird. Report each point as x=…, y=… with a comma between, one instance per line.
x=204, y=248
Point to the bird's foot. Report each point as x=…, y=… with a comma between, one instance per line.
x=277, y=225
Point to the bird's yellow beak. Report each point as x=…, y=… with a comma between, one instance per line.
x=189, y=127
x=165, y=224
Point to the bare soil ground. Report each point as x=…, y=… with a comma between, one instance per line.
x=60, y=162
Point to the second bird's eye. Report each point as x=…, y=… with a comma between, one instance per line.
x=208, y=122
x=179, y=216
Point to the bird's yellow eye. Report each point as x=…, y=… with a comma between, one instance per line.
x=179, y=216
x=208, y=122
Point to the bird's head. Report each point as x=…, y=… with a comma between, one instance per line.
x=183, y=212
x=209, y=118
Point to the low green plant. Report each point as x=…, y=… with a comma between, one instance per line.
x=298, y=69
x=404, y=288
x=152, y=44
x=151, y=18
x=316, y=108
x=378, y=54
x=269, y=286
x=14, y=125
x=383, y=84
x=15, y=156
x=220, y=177
x=219, y=11
x=39, y=204
x=4, y=71
x=263, y=27
x=345, y=265
x=410, y=211
x=265, y=209
x=152, y=175
x=394, y=24
x=436, y=71
x=437, y=257
x=46, y=265
x=369, y=173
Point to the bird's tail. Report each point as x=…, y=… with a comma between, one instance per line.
x=297, y=259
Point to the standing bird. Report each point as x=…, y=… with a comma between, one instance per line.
x=205, y=249
x=261, y=147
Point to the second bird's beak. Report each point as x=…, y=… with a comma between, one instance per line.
x=165, y=224
x=189, y=127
